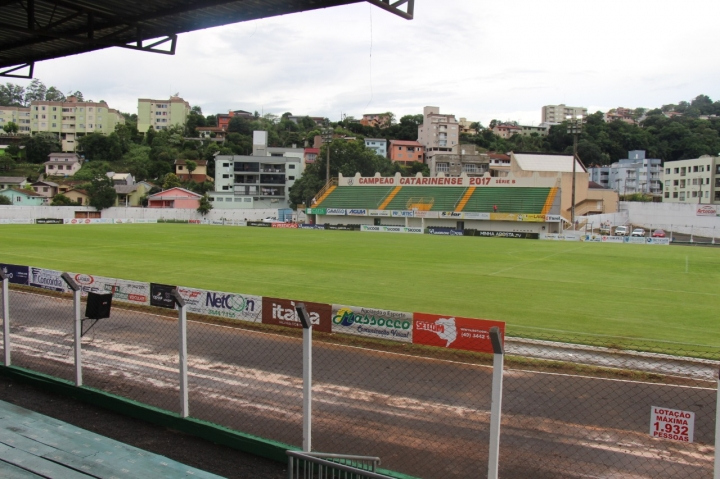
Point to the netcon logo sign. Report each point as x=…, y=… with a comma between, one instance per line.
x=282, y=312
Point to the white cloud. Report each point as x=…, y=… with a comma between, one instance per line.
x=478, y=60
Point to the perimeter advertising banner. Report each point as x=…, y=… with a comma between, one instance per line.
x=285, y=225
x=242, y=307
x=16, y=274
x=391, y=229
x=454, y=332
x=49, y=221
x=160, y=295
x=372, y=323
x=706, y=210
x=133, y=292
x=281, y=312
x=47, y=279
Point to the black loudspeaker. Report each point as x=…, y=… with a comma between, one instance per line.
x=98, y=305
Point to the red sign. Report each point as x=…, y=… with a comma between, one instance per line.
x=454, y=332
x=284, y=225
x=282, y=312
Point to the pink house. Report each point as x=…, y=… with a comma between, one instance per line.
x=175, y=198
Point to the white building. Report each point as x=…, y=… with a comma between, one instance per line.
x=262, y=180
x=636, y=174
x=379, y=145
x=555, y=114
x=692, y=181
x=438, y=133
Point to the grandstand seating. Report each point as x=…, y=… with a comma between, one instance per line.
x=434, y=198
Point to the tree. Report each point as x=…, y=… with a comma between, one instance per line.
x=39, y=146
x=97, y=146
x=205, y=206
x=4, y=200
x=171, y=181
x=62, y=200
x=191, y=166
x=12, y=95
x=53, y=94
x=34, y=92
x=102, y=193
x=11, y=128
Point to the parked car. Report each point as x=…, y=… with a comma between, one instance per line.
x=658, y=233
x=638, y=232
x=622, y=230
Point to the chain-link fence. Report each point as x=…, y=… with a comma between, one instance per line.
x=571, y=407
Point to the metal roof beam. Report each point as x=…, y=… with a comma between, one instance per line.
x=394, y=7
x=9, y=72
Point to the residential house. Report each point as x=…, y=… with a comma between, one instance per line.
x=62, y=164
x=465, y=127
x=223, y=119
x=406, y=152
x=380, y=120
x=23, y=197
x=18, y=182
x=199, y=174
x=121, y=178
x=311, y=155
x=379, y=145
x=47, y=189
x=81, y=197
x=506, y=130
x=131, y=195
x=178, y=198
x=212, y=133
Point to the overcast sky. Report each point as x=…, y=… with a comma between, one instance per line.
x=476, y=59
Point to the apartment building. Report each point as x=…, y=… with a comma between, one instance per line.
x=18, y=115
x=555, y=114
x=161, y=114
x=262, y=180
x=406, y=152
x=692, y=181
x=469, y=161
x=439, y=133
x=378, y=145
x=635, y=174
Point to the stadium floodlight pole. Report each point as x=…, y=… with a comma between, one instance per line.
x=327, y=136
x=78, y=326
x=302, y=313
x=716, y=474
x=6, y=315
x=575, y=127
x=496, y=404
x=182, y=320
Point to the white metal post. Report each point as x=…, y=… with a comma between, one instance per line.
x=6, y=318
x=78, y=338
x=496, y=404
x=307, y=376
x=716, y=474
x=182, y=323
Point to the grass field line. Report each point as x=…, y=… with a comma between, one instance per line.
x=535, y=261
x=574, y=376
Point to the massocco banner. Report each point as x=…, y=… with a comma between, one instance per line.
x=372, y=323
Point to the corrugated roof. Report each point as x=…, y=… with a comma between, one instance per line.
x=46, y=29
x=559, y=163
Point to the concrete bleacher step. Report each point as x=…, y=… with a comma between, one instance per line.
x=33, y=445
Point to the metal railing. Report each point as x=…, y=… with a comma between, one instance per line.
x=319, y=465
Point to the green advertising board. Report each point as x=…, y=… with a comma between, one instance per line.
x=315, y=211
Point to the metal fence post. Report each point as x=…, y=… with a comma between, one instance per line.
x=307, y=376
x=716, y=474
x=182, y=320
x=78, y=326
x=6, y=315
x=496, y=404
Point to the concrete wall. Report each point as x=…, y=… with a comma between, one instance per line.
x=677, y=217
x=32, y=212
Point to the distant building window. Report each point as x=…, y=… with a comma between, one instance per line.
x=443, y=167
x=291, y=178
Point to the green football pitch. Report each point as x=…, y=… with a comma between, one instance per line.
x=554, y=290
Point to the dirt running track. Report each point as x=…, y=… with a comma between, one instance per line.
x=424, y=417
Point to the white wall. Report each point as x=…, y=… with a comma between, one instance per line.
x=677, y=217
x=33, y=212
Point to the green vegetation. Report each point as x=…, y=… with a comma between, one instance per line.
x=592, y=292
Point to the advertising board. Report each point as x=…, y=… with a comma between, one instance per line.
x=146, y=221
x=281, y=312
x=507, y=234
x=335, y=211
x=531, y=218
x=372, y=323
x=706, y=210
x=659, y=241
x=242, y=307
x=357, y=212
x=311, y=227
x=476, y=216
x=340, y=228
x=383, y=213
x=133, y=292
x=612, y=239
x=122, y=221
x=315, y=211
x=17, y=221
x=47, y=279
x=49, y=221
x=285, y=225
x=634, y=239
x=160, y=295
x=445, y=231
x=454, y=215
x=259, y=224
x=402, y=214
x=16, y=274
x=454, y=332
x=553, y=218
x=672, y=424
x=592, y=238
x=391, y=229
